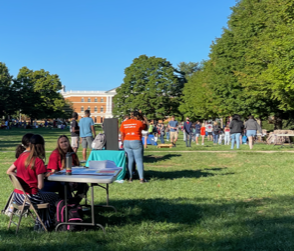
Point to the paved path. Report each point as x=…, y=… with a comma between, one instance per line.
x=200, y=151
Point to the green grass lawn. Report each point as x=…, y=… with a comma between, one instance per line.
x=236, y=200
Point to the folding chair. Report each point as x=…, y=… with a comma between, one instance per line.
x=27, y=205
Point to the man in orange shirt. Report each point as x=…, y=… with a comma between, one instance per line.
x=131, y=132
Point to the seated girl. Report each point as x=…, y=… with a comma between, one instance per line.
x=29, y=168
x=24, y=146
x=57, y=163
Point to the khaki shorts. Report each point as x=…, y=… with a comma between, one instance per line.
x=75, y=142
x=173, y=136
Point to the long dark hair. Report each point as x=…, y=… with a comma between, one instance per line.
x=76, y=161
x=37, y=150
x=25, y=143
x=236, y=117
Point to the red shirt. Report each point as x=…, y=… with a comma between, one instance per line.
x=131, y=129
x=27, y=177
x=202, y=130
x=55, y=162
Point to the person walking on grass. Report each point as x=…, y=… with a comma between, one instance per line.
x=75, y=132
x=209, y=129
x=202, y=132
x=188, y=132
x=227, y=135
x=252, y=127
x=216, y=130
x=172, y=125
x=87, y=133
x=236, y=127
x=197, y=131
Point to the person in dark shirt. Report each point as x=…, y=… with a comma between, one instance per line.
x=75, y=132
x=197, y=131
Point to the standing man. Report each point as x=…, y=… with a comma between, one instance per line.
x=87, y=132
x=75, y=132
x=188, y=132
x=172, y=125
x=209, y=129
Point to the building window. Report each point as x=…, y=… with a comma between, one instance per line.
x=82, y=100
x=102, y=100
x=96, y=99
x=82, y=109
x=101, y=120
x=95, y=109
x=89, y=108
x=101, y=109
x=89, y=100
x=95, y=119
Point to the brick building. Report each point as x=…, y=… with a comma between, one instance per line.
x=98, y=102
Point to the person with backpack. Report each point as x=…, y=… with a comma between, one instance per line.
x=29, y=168
x=252, y=127
x=236, y=127
x=57, y=163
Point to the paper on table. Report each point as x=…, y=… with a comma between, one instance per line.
x=86, y=171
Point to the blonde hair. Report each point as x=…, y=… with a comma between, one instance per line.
x=215, y=123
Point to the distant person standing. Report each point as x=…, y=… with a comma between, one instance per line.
x=209, y=129
x=87, y=133
x=197, y=131
x=172, y=125
x=75, y=132
x=202, y=132
x=236, y=127
x=7, y=125
x=188, y=132
x=252, y=127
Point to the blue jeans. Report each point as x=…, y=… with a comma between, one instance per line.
x=161, y=137
x=235, y=137
x=167, y=136
x=215, y=138
x=134, y=149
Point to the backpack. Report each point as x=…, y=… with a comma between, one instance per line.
x=244, y=139
x=75, y=214
x=99, y=142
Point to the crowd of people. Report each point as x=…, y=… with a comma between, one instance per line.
x=235, y=132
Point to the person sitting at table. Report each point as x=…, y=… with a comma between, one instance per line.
x=24, y=146
x=29, y=168
x=57, y=163
x=131, y=131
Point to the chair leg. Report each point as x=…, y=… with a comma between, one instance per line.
x=10, y=219
x=40, y=218
x=18, y=224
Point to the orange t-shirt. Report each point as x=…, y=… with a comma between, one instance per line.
x=131, y=129
x=202, y=130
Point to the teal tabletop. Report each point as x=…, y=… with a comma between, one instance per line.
x=118, y=157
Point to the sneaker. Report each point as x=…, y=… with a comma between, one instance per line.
x=143, y=181
x=197, y=144
x=202, y=144
x=130, y=180
x=83, y=161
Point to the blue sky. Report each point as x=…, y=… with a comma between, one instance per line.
x=89, y=43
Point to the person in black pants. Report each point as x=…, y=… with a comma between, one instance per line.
x=188, y=132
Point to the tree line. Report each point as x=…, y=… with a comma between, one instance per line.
x=250, y=71
x=33, y=93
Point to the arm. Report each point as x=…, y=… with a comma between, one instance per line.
x=93, y=130
x=11, y=170
x=40, y=181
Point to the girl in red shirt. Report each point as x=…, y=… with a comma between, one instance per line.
x=202, y=132
x=29, y=168
x=57, y=163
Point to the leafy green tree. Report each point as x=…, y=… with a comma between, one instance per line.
x=152, y=85
x=187, y=69
x=39, y=93
x=7, y=97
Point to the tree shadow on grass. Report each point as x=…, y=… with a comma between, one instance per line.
x=184, y=173
x=157, y=158
x=8, y=143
